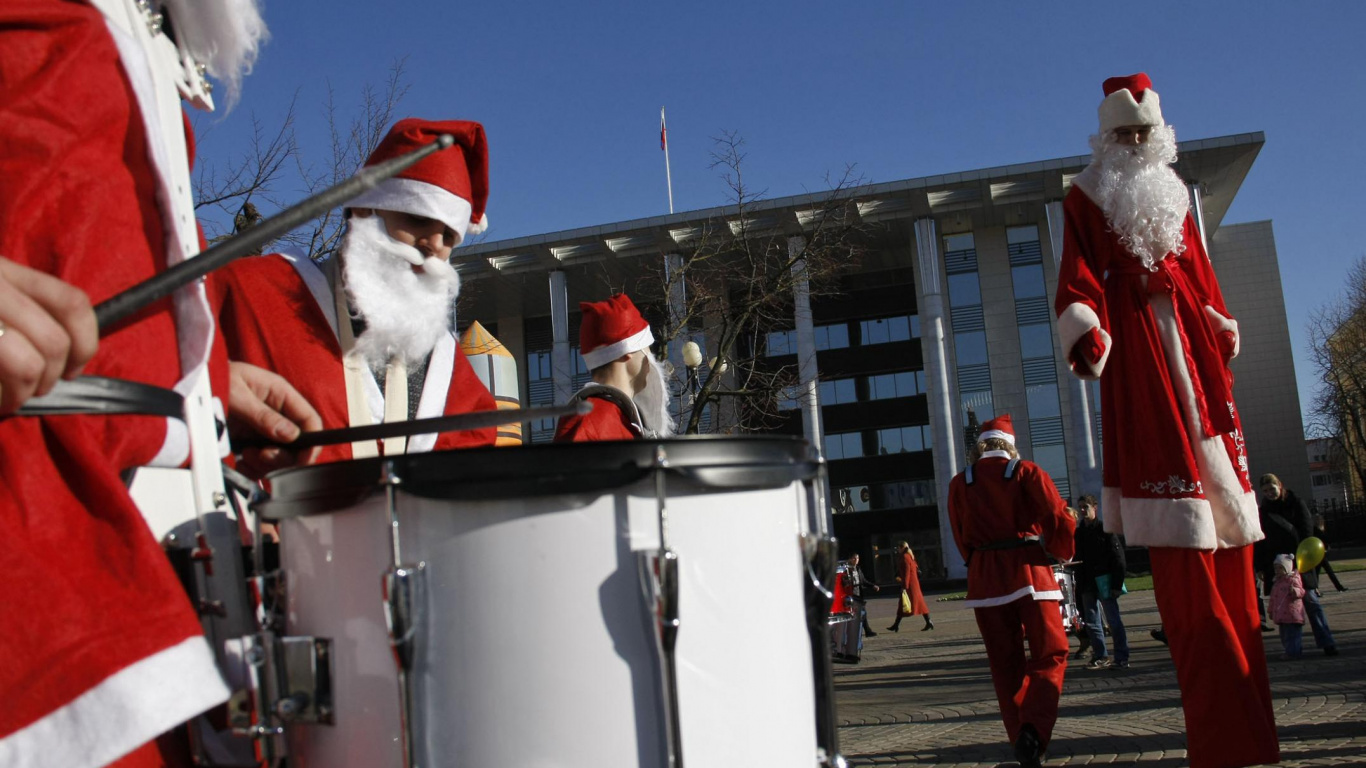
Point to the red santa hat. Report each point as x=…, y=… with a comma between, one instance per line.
x=610, y=329
x=450, y=186
x=1129, y=100
x=999, y=427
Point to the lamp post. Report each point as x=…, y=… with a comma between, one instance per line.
x=692, y=357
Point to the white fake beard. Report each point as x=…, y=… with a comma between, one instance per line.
x=224, y=35
x=1144, y=200
x=406, y=312
x=653, y=402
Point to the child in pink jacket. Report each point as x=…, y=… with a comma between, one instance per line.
x=1287, y=606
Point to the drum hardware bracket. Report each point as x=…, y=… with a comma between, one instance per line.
x=821, y=554
x=659, y=576
x=404, y=597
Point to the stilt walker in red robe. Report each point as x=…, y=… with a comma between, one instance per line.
x=1007, y=520
x=365, y=336
x=1139, y=306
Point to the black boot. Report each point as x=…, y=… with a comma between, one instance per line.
x=928, y=624
x=1028, y=749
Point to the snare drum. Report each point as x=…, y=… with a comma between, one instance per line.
x=532, y=641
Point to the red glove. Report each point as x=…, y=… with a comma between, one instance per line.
x=1227, y=343
x=1088, y=350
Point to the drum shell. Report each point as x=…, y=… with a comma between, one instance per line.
x=535, y=647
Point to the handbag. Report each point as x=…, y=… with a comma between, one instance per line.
x=1103, y=586
x=906, y=607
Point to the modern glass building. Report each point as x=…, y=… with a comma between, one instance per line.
x=946, y=322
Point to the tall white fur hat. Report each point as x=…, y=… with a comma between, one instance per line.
x=1129, y=100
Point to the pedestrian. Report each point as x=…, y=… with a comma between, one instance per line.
x=1287, y=606
x=1102, y=582
x=1286, y=521
x=1007, y=520
x=629, y=394
x=1139, y=307
x=912, y=600
x=858, y=582
x=364, y=336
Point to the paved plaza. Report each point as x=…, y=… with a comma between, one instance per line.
x=925, y=698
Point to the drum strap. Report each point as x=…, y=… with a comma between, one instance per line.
x=621, y=399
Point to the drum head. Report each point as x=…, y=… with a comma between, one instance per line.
x=717, y=462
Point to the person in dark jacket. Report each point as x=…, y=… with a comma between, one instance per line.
x=1286, y=522
x=1102, y=566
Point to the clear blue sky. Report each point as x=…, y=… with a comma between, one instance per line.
x=570, y=95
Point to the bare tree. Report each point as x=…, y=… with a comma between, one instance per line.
x=734, y=282
x=278, y=170
x=1337, y=339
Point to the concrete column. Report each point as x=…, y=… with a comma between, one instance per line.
x=943, y=425
x=1198, y=212
x=512, y=332
x=561, y=364
x=1081, y=436
x=807, y=372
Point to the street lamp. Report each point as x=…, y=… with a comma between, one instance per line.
x=692, y=357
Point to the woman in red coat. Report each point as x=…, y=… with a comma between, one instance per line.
x=909, y=573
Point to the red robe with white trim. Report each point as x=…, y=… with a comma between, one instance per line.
x=100, y=649
x=1175, y=469
x=995, y=508
x=276, y=314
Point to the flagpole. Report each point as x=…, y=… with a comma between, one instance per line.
x=664, y=144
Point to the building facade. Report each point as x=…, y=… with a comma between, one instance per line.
x=946, y=322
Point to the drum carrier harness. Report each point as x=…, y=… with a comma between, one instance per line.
x=1015, y=543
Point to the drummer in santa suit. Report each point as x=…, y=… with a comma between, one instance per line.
x=100, y=649
x=629, y=395
x=1007, y=519
x=365, y=336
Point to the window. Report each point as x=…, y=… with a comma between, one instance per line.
x=838, y=391
x=959, y=242
x=1042, y=400
x=971, y=348
x=1028, y=281
x=538, y=366
x=1053, y=460
x=964, y=290
x=782, y=343
x=844, y=445
x=1036, y=341
x=829, y=337
x=1020, y=235
x=901, y=440
x=976, y=405
x=890, y=385
x=889, y=329
x=864, y=498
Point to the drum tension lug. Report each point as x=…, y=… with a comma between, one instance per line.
x=203, y=553
x=212, y=608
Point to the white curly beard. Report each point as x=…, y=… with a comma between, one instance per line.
x=406, y=311
x=653, y=402
x=1144, y=200
x=225, y=35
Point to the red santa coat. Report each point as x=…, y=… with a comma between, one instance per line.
x=910, y=581
x=995, y=509
x=101, y=650
x=278, y=312
x=1175, y=472
x=607, y=421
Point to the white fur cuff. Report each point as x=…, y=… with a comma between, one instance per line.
x=1074, y=323
x=1220, y=323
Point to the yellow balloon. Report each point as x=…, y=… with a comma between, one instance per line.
x=1309, y=554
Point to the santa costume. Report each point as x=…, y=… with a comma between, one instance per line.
x=101, y=650
x=285, y=313
x=1139, y=307
x=1007, y=519
x=610, y=329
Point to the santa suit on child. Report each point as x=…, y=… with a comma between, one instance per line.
x=1139, y=306
x=287, y=314
x=608, y=330
x=1007, y=518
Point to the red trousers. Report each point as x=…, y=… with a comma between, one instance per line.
x=1027, y=690
x=1209, y=612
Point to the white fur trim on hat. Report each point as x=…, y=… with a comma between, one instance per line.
x=605, y=354
x=420, y=199
x=479, y=227
x=990, y=433
x=1073, y=323
x=1121, y=108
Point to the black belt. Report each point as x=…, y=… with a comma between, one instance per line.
x=97, y=395
x=1023, y=541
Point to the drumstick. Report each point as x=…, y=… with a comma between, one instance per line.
x=463, y=422
x=119, y=307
